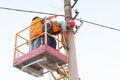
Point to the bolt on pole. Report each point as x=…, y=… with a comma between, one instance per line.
x=72, y=62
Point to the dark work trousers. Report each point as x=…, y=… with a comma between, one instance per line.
x=50, y=40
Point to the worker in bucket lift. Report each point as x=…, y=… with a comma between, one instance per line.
x=35, y=30
x=54, y=28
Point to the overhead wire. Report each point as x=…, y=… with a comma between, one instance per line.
x=99, y=25
x=59, y=15
x=27, y=11
x=55, y=7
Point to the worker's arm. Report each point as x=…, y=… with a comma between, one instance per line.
x=64, y=33
x=50, y=17
x=65, y=37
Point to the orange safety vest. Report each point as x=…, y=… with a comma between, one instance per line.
x=55, y=27
x=35, y=28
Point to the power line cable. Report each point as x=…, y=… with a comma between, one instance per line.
x=28, y=11
x=100, y=25
x=55, y=7
x=59, y=15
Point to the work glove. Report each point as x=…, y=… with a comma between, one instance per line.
x=67, y=46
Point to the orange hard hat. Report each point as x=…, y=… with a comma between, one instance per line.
x=71, y=22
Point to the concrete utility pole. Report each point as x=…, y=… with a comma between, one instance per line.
x=72, y=62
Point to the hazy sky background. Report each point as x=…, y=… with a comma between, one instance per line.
x=97, y=48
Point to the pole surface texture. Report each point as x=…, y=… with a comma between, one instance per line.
x=72, y=62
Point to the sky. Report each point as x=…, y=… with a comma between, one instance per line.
x=97, y=48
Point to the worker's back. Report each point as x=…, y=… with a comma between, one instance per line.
x=36, y=27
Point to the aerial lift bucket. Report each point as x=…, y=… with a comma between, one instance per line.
x=41, y=58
